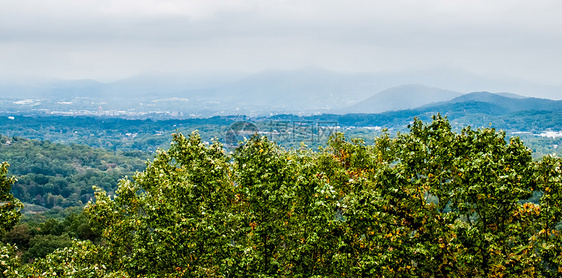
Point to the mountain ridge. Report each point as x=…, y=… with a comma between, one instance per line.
x=402, y=97
x=511, y=104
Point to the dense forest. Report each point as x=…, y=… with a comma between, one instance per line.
x=428, y=202
x=51, y=174
x=55, y=181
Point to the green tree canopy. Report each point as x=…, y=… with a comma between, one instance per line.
x=9, y=206
x=431, y=203
x=9, y=215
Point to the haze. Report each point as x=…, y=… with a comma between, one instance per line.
x=108, y=40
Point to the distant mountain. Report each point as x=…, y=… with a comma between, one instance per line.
x=479, y=109
x=511, y=95
x=74, y=88
x=510, y=104
x=44, y=87
x=156, y=85
x=461, y=80
x=145, y=85
x=305, y=89
x=308, y=90
x=401, y=98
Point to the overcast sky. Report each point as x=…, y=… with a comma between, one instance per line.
x=110, y=39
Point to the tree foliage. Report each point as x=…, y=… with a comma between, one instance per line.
x=427, y=203
x=9, y=206
x=9, y=215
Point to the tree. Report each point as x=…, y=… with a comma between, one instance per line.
x=9, y=215
x=82, y=259
x=456, y=196
x=19, y=235
x=9, y=206
x=42, y=245
x=548, y=214
x=175, y=217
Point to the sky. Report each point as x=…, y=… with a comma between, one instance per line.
x=110, y=39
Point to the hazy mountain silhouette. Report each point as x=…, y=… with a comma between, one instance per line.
x=401, y=98
x=304, y=90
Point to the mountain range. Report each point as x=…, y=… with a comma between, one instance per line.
x=478, y=109
x=401, y=98
x=308, y=90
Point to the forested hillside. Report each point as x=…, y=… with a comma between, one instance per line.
x=430, y=202
x=50, y=174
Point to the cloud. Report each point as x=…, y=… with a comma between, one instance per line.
x=149, y=18
x=72, y=17
x=109, y=37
